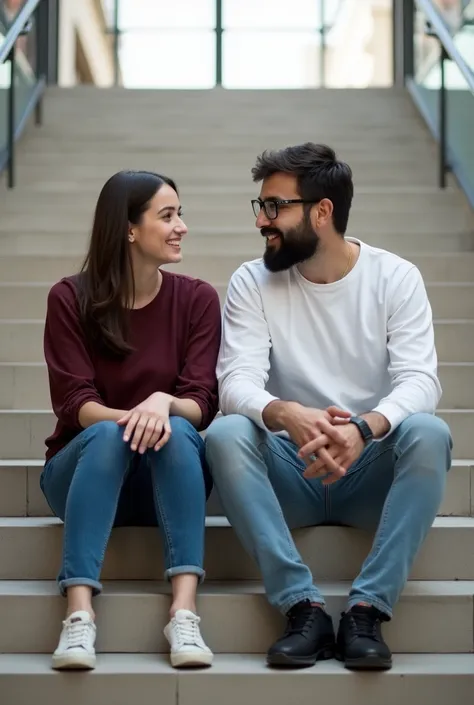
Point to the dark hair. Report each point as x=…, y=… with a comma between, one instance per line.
x=319, y=175
x=106, y=282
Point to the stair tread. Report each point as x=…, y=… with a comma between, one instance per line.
x=219, y=521
x=125, y=588
x=107, y=663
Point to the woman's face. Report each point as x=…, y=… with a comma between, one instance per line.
x=158, y=236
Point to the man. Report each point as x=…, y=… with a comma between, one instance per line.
x=328, y=387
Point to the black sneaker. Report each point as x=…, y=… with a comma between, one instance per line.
x=309, y=637
x=359, y=640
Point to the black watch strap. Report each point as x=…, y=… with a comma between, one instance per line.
x=364, y=428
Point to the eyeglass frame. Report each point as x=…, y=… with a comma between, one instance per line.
x=276, y=203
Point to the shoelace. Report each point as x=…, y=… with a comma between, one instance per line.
x=188, y=632
x=365, y=625
x=76, y=634
x=300, y=621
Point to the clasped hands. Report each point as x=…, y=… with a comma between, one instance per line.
x=328, y=443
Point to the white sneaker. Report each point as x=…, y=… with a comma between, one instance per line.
x=187, y=645
x=76, y=643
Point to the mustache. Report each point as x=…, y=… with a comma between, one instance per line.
x=265, y=232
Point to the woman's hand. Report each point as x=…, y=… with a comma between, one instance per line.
x=149, y=422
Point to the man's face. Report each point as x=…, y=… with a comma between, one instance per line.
x=290, y=237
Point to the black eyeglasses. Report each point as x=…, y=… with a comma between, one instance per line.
x=270, y=207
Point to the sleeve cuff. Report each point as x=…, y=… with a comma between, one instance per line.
x=256, y=407
x=393, y=414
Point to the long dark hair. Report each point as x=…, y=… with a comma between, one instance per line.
x=106, y=282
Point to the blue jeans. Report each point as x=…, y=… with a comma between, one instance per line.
x=395, y=488
x=97, y=482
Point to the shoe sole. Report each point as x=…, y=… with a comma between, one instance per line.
x=191, y=660
x=284, y=661
x=365, y=664
x=69, y=663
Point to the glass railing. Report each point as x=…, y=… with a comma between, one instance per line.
x=441, y=81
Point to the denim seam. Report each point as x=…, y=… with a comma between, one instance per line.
x=111, y=526
x=65, y=546
x=374, y=458
x=163, y=521
x=381, y=526
x=289, y=538
x=327, y=503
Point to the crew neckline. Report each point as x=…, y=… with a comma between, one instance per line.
x=340, y=283
x=164, y=281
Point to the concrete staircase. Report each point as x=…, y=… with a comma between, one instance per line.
x=208, y=142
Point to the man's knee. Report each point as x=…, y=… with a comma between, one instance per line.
x=429, y=437
x=230, y=430
x=226, y=439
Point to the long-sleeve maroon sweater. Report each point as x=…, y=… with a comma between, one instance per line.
x=176, y=340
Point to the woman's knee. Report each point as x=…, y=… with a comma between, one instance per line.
x=104, y=432
x=183, y=454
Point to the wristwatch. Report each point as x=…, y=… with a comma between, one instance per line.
x=364, y=428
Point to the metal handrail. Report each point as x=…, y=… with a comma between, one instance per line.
x=21, y=26
x=16, y=29
x=439, y=28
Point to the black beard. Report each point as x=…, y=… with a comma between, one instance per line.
x=296, y=246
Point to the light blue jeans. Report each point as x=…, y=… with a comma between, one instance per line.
x=97, y=482
x=395, y=488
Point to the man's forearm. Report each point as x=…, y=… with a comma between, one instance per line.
x=276, y=413
x=379, y=425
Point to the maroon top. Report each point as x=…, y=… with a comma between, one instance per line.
x=176, y=341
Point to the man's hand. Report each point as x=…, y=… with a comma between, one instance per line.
x=304, y=424
x=343, y=456
x=149, y=422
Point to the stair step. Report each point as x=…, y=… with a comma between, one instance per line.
x=242, y=240
x=22, y=340
x=236, y=616
x=416, y=679
x=22, y=432
x=25, y=385
x=435, y=267
x=20, y=493
x=28, y=300
x=30, y=548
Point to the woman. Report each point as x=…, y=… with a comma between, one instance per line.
x=131, y=353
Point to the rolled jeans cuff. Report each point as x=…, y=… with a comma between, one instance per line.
x=87, y=582
x=183, y=569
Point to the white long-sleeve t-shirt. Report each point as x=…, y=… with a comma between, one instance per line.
x=363, y=343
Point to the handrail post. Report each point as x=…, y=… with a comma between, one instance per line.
x=443, y=160
x=322, y=45
x=116, y=43
x=42, y=44
x=219, y=32
x=11, y=121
